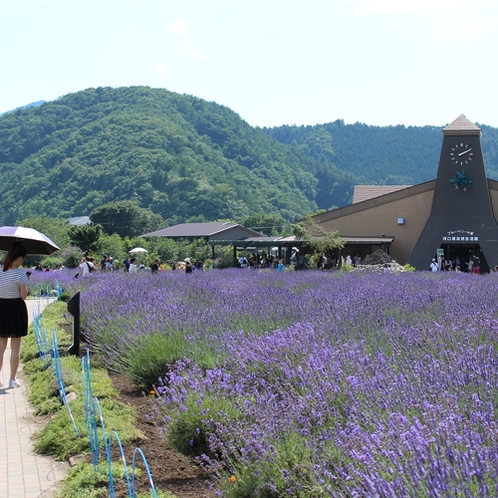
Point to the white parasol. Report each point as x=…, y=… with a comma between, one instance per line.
x=138, y=250
x=32, y=240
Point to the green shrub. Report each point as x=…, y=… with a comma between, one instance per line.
x=151, y=355
x=71, y=256
x=346, y=267
x=59, y=438
x=188, y=432
x=408, y=267
x=265, y=478
x=52, y=261
x=85, y=480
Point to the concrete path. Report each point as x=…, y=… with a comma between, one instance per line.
x=24, y=473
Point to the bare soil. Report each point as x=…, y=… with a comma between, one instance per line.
x=170, y=470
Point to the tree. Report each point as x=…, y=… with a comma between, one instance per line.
x=319, y=241
x=113, y=246
x=86, y=237
x=126, y=218
x=55, y=229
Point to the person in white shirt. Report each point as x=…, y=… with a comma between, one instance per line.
x=13, y=311
x=434, y=266
x=87, y=266
x=133, y=266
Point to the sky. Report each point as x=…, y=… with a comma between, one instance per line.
x=273, y=62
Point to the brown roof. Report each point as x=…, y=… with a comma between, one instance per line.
x=364, y=192
x=377, y=201
x=460, y=125
x=198, y=230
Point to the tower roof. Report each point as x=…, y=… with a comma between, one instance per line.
x=462, y=126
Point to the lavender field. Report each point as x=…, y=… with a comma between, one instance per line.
x=310, y=384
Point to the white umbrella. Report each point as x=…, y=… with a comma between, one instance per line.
x=33, y=241
x=138, y=250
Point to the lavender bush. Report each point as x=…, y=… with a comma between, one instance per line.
x=313, y=384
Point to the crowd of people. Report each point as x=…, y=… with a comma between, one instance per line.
x=470, y=265
x=257, y=260
x=131, y=265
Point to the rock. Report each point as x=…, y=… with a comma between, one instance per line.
x=375, y=263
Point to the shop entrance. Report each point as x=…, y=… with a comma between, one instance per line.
x=460, y=255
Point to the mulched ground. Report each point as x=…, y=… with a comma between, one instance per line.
x=170, y=470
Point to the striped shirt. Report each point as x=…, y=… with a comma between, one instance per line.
x=10, y=281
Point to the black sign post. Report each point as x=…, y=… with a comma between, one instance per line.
x=73, y=307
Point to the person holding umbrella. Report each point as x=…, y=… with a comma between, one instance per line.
x=13, y=311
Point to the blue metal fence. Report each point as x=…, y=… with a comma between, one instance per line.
x=49, y=352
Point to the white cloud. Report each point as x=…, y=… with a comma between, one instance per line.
x=179, y=28
x=185, y=47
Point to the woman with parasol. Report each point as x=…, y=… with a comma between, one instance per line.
x=13, y=312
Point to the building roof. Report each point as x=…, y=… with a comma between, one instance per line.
x=374, y=201
x=198, y=230
x=364, y=192
x=461, y=125
x=80, y=220
x=252, y=242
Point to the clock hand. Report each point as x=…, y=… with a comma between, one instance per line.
x=464, y=152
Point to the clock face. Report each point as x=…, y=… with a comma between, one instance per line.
x=461, y=154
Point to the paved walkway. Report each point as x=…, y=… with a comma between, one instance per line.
x=23, y=473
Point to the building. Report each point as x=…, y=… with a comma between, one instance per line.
x=451, y=216
x=80, y=220
x=208, y=231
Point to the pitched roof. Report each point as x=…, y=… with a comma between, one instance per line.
x=197, y=230
x=461, y=126
x=364, y=192
x=80, y=220
x=375, y=201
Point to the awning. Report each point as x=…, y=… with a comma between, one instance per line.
x=292, y=242
x=244, y=243
x=374, y=241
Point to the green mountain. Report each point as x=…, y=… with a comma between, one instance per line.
x=187, y=159
x=391, y=155
x=182, y=157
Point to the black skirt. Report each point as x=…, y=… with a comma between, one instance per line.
x=13, y=318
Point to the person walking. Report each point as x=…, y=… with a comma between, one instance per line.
x=13, y=311
x=87, y=266
x=434, y=266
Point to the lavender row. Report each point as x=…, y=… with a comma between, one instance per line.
x=319, y=384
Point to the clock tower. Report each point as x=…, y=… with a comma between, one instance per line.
x=461, y=222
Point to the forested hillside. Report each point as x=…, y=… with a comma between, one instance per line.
x=182, y=157
x=186, y=159
x=391, y=155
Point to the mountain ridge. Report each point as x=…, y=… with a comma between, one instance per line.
x=184, y=158
x=189, y=160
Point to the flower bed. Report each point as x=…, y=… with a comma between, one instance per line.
x=314, y=384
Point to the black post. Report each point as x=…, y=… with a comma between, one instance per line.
x=73, y=307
